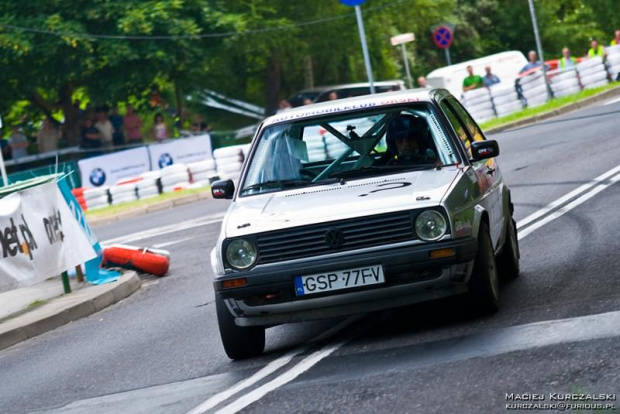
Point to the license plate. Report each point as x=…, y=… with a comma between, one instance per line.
x=340, y=279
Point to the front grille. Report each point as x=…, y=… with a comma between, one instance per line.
x=357, y=233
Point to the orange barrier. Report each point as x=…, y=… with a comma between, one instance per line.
x=131, y=180
x=156, y=262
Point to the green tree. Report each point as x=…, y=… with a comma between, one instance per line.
x=57, y=55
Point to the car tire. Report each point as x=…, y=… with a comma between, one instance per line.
x=484, y=283
x=508, y=259
x=239, y=342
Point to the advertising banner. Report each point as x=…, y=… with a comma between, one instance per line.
x=106, y=170
x=180, y=151
x=39, y=237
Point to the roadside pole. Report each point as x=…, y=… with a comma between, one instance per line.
x=65, y=282
x=5, y=180
x=401, y=40
x=539, y=47
x=443, y=35
x=360, y=25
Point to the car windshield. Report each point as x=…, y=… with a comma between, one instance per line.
x=341, y=147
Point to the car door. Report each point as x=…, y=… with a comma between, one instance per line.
x=491, y=171
x=486, y=171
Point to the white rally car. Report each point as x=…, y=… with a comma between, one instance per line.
x=359, y=205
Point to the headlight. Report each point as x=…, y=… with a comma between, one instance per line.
x=241, y=254
x=430, y=225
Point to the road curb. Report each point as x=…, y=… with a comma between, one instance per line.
x=67, y=308
x=610, y=93
x=151, y=208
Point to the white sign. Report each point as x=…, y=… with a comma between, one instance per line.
x=39, y=237
x=108, y=169
x=180, y=151
x=402, y=38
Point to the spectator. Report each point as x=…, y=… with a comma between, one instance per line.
x=160, y=131
x=199, y=126
x=48, y=136
x=133, y=126
x=616, y=40
x=533, y=63
x=596, y=50
x=422, y=82
x=91, y=138
x=567, y=61
x=284, y=105
x=489, y=78
x=19, y=143
x=472, y=81
x=118, y=137
x=307, y=101
x=333, y=95
x=106, y=130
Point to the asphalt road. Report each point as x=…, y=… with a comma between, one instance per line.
x=557, y=331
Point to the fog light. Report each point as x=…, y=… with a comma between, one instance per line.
x=232, y=283
x=441, y=253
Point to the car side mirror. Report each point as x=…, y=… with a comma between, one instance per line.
x=481, y=150
x=223, y=189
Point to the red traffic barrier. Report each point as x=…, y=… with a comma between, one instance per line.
x=144, y=260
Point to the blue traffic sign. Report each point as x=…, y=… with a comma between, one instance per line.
x=442, y=36
x=352, y=3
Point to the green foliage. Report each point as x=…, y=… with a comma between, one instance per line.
x=254, y=50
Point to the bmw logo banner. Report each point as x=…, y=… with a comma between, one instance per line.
x=180, y=151
x=97, y=177
x=106, y=170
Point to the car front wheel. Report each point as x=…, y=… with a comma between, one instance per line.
x=484, y=283
x=239, y=342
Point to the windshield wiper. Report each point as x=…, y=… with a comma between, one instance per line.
x=286, y=183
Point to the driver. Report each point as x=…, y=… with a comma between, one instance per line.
x=403, y=143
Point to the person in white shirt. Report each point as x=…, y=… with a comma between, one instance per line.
x=105, y=127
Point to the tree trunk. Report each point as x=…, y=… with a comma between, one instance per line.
x=273, y=83
x=71, y=128
x=179, y=98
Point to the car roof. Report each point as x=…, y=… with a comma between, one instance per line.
x=350, y=86
x=355, y=104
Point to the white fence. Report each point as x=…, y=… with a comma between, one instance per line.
x=530, y=91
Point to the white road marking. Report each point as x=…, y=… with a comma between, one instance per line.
x=612, y=102
x=172, y=228
x=270, y=368
x=545, y=210
x=282, y=379
x=171, y=243
x=501, y=341
x=561, y=211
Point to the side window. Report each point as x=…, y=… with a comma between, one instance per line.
x=470, y=124
x=458, y=126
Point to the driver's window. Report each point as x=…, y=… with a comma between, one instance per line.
x=458, y=127
x=470, y=124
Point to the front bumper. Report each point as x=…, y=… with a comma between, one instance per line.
x=411, y=276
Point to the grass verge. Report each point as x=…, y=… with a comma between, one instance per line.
x=549, y=106
x=121, y=208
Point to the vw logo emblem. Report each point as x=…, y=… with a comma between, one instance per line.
x=164, y=160
x=334, y=238
x=97, y=177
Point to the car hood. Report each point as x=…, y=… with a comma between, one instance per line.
x=355, y=198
